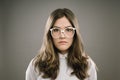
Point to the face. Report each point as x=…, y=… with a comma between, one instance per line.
x=62, y=43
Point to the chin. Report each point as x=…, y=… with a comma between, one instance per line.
x=63, y=49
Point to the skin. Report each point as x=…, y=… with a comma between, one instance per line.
x=62, y=43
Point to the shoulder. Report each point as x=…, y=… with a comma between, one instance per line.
x=92, y=69
x=90, y=62
x=30, y=66
x=31, y=72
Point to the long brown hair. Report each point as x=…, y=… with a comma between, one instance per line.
x=47, y=60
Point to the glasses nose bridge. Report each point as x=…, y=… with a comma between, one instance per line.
x=62, y=30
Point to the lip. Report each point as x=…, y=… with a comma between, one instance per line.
x=62, y=42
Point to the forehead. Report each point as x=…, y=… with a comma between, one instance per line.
x=62, y=22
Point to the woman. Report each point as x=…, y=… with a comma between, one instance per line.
x=62, y=56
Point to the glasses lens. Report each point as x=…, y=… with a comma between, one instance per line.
x=55, y=32
x=68, y=32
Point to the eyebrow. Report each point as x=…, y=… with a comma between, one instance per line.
x=60, y=27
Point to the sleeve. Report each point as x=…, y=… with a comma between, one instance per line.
x=92, y=70
x=30, y=72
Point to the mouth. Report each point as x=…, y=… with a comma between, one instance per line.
x=62, y=42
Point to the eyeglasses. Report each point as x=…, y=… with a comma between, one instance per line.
x=68, y=32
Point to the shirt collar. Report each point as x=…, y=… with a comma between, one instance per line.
x=63, y=56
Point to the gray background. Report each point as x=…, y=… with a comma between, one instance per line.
x=22, y=27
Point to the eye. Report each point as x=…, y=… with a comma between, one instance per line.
x=69, y=29
x=56, y=30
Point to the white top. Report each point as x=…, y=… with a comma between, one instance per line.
x=64, y=73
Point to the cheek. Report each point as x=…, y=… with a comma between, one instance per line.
x=70, y=41
x=55, y=42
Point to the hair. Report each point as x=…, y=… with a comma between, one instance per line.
x=47, y=60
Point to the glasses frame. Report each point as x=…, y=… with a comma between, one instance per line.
x=63, y=31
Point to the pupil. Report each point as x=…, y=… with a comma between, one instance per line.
x=56, y=30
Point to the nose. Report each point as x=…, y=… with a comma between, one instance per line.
x=62, y=35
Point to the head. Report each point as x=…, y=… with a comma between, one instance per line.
x=62, y=20
x=61, y=35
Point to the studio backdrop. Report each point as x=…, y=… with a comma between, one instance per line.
x=22, y=24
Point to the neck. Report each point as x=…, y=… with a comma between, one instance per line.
x=63, y=52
